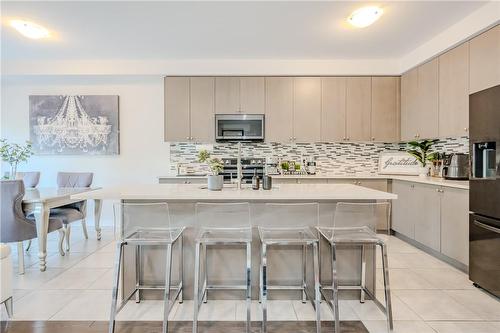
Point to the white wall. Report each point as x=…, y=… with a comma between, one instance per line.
x=143, y=154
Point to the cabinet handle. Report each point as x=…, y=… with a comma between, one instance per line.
x=466, y=129
x=373, y=138
x=187, y=138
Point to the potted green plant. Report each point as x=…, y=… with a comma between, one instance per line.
x=215, y=181
x=421, y=150
x=14, y=153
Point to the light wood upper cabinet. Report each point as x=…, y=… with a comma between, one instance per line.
x=279, y=109
x=409, y=104
x=485, y=60
x=426, y=119
x=239, y=95
x=252, y=95
x=333, y=108
x=358, y=108
x=202, y=108
x=454, y=92
x=307, y=109
x=385, y=109
x=176, y=105
x=227, y=94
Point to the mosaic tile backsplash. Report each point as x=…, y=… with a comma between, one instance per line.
x=338, y=158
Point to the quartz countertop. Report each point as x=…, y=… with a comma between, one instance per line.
x=196, y=192
x=461, y=184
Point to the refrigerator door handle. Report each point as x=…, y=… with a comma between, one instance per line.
x=487, y=227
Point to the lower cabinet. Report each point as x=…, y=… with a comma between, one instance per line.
x=435, y=216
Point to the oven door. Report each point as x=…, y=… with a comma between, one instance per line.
x=484, y=252
x=239, y=127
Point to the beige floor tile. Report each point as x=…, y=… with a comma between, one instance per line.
x=400, y=311
x=88, y=305
x=146, y=310
x=220, y=310
x=75, y=278
x=435, y=305
x=305, y=311
x=404, y=279
x=97, y=260
x=105, y=281
x=43, y=304
x=444, y=278
x=407, y=326
x=69, y=260
x=486, y=306
x=464, y=327
x=276, y=310
x=255, y=311
x=415, y=260
x=33, y=278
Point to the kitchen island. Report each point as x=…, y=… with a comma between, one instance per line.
x=228, y=265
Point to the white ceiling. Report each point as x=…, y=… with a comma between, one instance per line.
x=218, y=30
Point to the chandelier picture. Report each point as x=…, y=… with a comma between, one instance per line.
x=69, y=127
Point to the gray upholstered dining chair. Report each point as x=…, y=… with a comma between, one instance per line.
x=15, y=226
x=78, y=210
x=30, y=179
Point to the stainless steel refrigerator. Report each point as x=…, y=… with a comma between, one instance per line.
x=484, y=195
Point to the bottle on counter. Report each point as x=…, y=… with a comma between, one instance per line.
x=255, y=181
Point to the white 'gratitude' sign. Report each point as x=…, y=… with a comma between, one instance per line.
x=398, y=163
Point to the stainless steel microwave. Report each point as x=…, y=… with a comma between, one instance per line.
x=239, y=127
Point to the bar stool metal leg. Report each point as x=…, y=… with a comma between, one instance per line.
x=166, y=296
x=387, y=289
x=205, y=274
x=335, y=287
x=363, y=274
x=116, y=281
x=249, y=287
x=317, y=294
x=137, y=273
x=263, y=279
x=196, y=298
x=304, y=270
x=181, y=269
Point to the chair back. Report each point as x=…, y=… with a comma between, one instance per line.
x=74, y=179
x=360, y=215
x=291, y=215
x=223, y=215
x=144, y=218
x=14, y=227
x=30, y=179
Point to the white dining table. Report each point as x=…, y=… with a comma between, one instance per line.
x=39, y=201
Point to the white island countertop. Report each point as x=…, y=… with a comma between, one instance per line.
x=196, y=192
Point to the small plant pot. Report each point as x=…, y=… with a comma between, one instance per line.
x=215, y=183
x=424, y=171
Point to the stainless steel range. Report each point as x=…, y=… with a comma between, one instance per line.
x=249, y=167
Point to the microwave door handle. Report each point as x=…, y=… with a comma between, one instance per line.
x=487, y=227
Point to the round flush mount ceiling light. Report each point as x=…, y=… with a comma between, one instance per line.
x=365, y=16
x=29, y=29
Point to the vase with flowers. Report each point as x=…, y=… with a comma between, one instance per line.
x=14, y=153
x=215, y=180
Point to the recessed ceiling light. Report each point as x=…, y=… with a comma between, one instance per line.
x=365, y=16
x=29, y=29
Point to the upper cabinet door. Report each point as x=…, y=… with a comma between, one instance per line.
x=176, y=105
x=385, y=109
x=279, y=109
x=202, y=108
x=252, y=95
x=409, y=104
x=227, y=95
x=307, y=109
x=358, y=109
x=454, y=92
x=485, y=60
x=333, y=108
x=426, y=119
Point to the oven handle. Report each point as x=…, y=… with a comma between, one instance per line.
x=487, y=227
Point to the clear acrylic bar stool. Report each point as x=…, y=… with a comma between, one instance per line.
x=146, y=224
x=356, y=224
x=221, y=224
x=290, y=224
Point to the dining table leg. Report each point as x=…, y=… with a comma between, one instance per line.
x=42, y=213
x=97, y=217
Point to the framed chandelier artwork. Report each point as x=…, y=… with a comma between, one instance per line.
x=74, y=124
